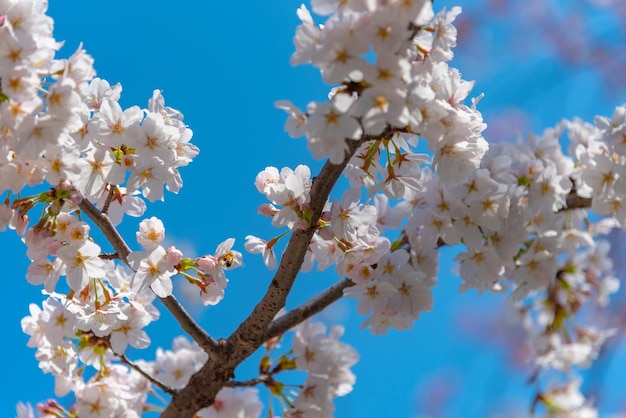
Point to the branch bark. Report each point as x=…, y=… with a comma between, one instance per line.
x=573, y=201
x=306, y=310
x=206, y=383
x=103, y=222
x=250, y=334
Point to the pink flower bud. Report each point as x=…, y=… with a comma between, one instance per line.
x=301, y=224
x=65, y=185
x=49, y=407
x=206, y=263
x=267, y=209
x=21, y=224
x=326, y=233
x=76, y=198
x=174, y=255
x=55, y=208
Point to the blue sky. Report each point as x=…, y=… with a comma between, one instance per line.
x=223, y=64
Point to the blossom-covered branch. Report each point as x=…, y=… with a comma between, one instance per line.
x=518, y=214
x=249, y=336
x=123, y=250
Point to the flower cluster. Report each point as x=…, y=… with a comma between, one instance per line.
x=63, y=126
x=210, y=268
x=521, y=213
x=156, y=266
x=405, y=85
x=91, y=328
x=288, y=189
x=117, y=390
x=519, y=210
x=107, y=307
x=408, y=91
x=328, y=363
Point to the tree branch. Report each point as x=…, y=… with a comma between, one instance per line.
x=204, y=340
x=250, y=334
x=208, y=344
x=573, y=201
x=203, y=386
x=109, y=198
x=103, y=222
x=248, y=383
x=306, y=310
x=139, y=370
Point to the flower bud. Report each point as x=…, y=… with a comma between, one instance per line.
x=174, y=255
x=206, y=263
x=267, y=209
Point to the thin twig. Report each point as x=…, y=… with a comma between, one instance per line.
x=306, y=310
x=573, y=201
x=204, y=340
x=109, y=256
x=248, y=383
x=139, y=370
x=103, y=222
x=107, y=201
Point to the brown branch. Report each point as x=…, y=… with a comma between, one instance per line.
x=109, y=256
x=248, y=383
x=208, y=344
x=139, y=370
x=573, y=201
x=103, y=222
x=250, y=334
x=203, y=386
x=109, y=198
x=204, y=340
x=306, y=310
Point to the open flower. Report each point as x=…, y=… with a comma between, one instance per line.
x=255, y=245
x=152, y=269
x=228, y=258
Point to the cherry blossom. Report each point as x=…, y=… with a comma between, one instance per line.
x=256, y=245
x=81, y=263
x=151, y=233
x=527, y=218
x=154, y=270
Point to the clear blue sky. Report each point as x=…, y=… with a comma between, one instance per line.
x=223, y=64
